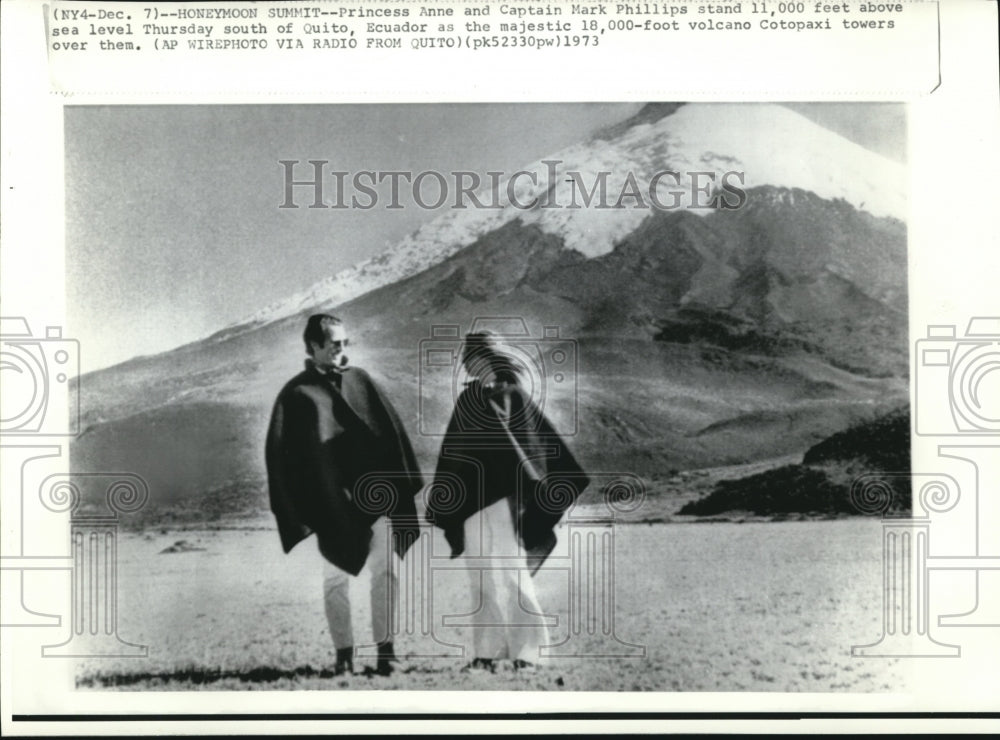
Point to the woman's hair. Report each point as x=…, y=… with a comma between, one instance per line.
x=481, y=352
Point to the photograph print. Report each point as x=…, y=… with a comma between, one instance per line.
x=562, y=397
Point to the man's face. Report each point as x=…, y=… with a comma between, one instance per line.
x=331, y=353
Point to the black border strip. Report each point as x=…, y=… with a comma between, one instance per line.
x=722, y=716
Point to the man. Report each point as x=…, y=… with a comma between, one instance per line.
x=339, y=464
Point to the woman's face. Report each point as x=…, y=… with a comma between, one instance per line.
x=479, y=365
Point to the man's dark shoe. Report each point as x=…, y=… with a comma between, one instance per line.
x=345, y=661
x=386, y=658
x=481, y=664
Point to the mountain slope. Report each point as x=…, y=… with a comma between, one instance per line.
x=768, y=143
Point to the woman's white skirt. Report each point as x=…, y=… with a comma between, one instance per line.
x=508, y=622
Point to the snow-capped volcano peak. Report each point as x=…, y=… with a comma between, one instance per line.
x=761, y=144
x=773, y=145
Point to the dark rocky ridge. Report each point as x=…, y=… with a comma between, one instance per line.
x=826, y=481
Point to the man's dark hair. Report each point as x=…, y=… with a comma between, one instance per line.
x=316, y=329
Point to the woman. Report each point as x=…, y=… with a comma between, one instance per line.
x=503, y=481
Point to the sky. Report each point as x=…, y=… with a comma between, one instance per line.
x=173, y=225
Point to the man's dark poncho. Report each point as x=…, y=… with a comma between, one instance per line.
x=499, y=445
x=336, y=462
